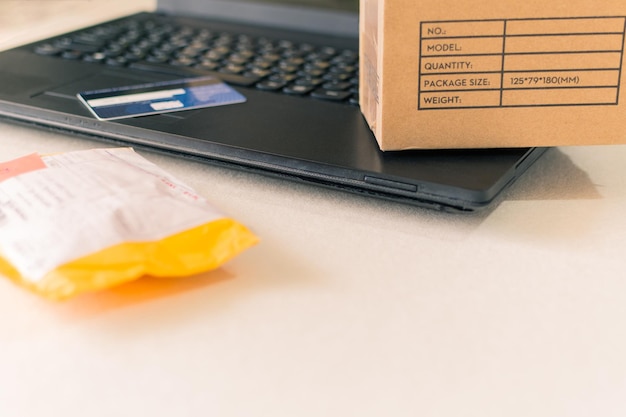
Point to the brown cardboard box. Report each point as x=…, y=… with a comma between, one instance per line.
x=493, y=73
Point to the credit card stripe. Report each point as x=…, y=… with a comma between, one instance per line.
x=134, y=98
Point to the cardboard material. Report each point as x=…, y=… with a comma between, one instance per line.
x=493, y=73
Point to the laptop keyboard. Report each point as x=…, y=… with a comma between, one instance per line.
x=275, y=65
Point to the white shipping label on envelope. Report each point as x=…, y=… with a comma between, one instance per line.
x=86, y=201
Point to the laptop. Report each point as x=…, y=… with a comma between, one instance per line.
x=292, y=64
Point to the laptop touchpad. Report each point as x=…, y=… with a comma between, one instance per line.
x=20, y=84
x=103, y=80
x=63, y=96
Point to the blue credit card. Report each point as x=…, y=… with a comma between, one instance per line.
x=160, y=97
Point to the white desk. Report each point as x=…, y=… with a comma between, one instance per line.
x=349, y=306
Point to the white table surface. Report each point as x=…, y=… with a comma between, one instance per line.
x=349, y=306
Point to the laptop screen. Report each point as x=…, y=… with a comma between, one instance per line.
x=334, y=17
x=348, y=5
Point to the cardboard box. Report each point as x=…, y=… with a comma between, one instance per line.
x=493, y=73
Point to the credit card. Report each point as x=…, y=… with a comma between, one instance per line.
x=159, y=97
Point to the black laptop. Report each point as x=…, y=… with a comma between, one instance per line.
x=294, y=66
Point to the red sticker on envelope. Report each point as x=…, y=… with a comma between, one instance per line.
x=21, y=165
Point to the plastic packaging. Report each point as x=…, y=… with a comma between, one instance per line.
x=88, y=220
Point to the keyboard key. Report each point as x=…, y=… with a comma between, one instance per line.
x=257, y=72
x=72, y=54
x=208, y=65
x=232, y=69
x=48, y=49
x=183, y=62
x=337, y=77
x=308, y=81
x=336, y=86
x=299, y=90
x=268, y=85
x=282, y=78
x=119, y=61
x=97, y=57
x=330, y=95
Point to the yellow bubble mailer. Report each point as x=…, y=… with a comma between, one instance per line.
x=88, y=220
